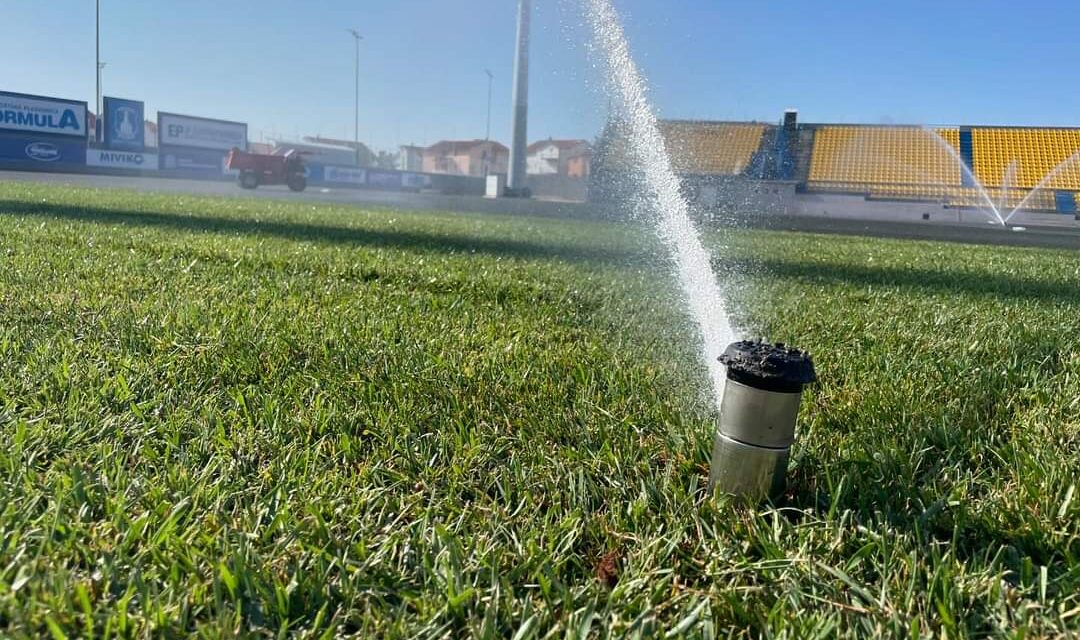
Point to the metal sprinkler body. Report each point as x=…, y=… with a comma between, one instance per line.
x=758, y=412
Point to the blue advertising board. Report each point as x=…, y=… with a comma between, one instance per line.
x=124, y=128
x=343, y=176
x=314, y=173
x=384, y=179
x=41, y=152
x=337, y=176
x=415, y=181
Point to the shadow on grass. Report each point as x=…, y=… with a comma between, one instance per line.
x=976, y=283
x=384, y=238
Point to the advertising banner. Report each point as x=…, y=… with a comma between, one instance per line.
x=415, y=181
x=36, y=114
x=344, y=175
x=195, y=163
x=124, y=128
x=384, y=179
x=111, y=159
x=200, y=133
x=40, y=152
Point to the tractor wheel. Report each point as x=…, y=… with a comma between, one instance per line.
x=248, y=180
x=297, y=182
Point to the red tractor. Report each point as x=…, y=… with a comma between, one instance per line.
x=260, y=169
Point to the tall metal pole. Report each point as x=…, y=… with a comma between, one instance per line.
x=356, y=112
x=491, y=79
x=97, y=67
x=518, y=149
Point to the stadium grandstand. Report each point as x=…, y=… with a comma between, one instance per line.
x=946, y=165
x=707, y=148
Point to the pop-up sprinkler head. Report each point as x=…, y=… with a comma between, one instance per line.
x=757, y=418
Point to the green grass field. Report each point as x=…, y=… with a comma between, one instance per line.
x=241, y=417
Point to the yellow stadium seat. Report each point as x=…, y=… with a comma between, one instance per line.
x=708, y=148
x=879, y=156
x=911, y=163
x=1037, y=153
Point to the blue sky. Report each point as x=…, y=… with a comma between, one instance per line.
x=286, y=66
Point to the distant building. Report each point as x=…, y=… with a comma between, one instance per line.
x=570, y=158
x=466, y=158
x=410, y=158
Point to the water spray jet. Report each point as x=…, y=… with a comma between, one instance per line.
x=758, y=411
x=660, y=189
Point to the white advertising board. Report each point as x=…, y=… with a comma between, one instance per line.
x=35, y=114
x=121, y=159
x=200, y=133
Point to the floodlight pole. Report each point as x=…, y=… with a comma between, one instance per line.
x=356, y=111
x=97, y=66
x=491, y=79
x=518, y=150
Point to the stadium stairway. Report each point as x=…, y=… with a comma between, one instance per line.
x=967, y=154
x=804, y=152
x=763, y=164
x=785, y=163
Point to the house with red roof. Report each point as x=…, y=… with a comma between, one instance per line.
x=476, y=158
